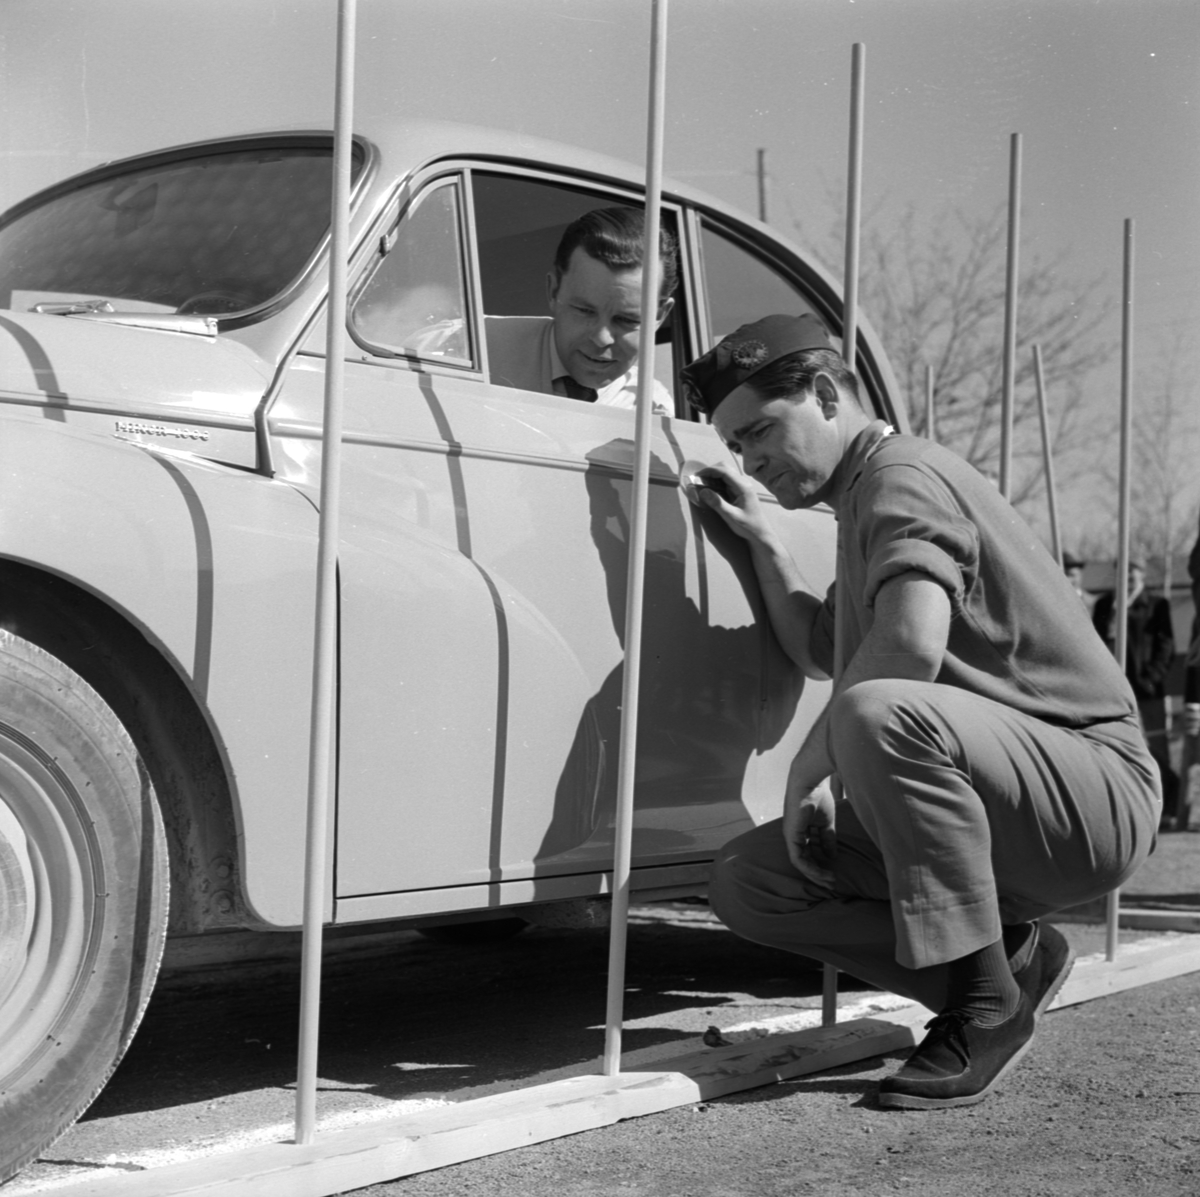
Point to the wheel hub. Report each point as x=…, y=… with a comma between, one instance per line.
x=17, y=905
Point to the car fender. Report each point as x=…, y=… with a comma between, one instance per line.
x=216, y=567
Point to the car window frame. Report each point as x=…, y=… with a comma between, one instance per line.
x=617, y=192
x=374, y=253
x=807, y=278
x=693, y=325
x=408, y=190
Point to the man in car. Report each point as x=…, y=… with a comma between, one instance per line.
x=587, y=347
x=979, y=764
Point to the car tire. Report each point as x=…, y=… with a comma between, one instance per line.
x=83, y=897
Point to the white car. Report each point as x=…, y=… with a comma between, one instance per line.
x=161, y=383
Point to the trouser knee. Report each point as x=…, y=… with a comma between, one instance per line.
x=860, y=718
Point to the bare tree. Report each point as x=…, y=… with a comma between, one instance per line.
x=1164, y=481
x=936, y=295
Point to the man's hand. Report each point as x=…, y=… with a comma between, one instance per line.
x=809, y=831
x=791, y=605
x=732, y=497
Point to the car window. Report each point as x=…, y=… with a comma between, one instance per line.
x=518, y=224
x=741, y=287
x=210, y=235
x=415, y=302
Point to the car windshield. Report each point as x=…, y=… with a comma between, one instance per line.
x=209, y=235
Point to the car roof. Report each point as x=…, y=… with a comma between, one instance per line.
x=396, y=148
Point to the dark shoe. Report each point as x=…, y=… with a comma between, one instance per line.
x=959, y=1062
x=1042, y=978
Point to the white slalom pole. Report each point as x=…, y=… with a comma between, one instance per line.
x=858, y=56
x=1010, y=316
x=627, y=765
x=1047, y=455
x=829, y=972
x=1121, y=587
x=320, y=757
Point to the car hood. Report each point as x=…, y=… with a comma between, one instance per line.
x=65, y=360
x=186, y=390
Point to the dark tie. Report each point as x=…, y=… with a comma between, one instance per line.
x=576, y=390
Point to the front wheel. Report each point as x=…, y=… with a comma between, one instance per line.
x=83, y=897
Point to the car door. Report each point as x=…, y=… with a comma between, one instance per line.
x=483, y=573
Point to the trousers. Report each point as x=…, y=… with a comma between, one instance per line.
x=959, y=816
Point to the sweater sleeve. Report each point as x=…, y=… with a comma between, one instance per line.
x=820, y=640
x=911, y=522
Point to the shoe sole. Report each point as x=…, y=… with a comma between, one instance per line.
x=912, y=1101
x=1059, y=980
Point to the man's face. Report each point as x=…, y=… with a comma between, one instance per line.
x=597, y=318
x=792, y=446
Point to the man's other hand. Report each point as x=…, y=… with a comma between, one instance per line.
x=810, y=833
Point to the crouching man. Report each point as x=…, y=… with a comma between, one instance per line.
x=979, y=764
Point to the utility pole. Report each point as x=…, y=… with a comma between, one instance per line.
x=762, y=186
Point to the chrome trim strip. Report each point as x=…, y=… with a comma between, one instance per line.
x=202, y=418
x=476, y=326
x=305, y=430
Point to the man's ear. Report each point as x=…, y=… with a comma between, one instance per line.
x=827, y=394
x=551, y=289
x=664, y=310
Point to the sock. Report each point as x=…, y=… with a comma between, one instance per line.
x=981, y=985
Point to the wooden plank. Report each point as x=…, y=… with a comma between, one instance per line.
x=349, y=1159
x=1136, y=964
x=1140, y=963
x=718, y=1071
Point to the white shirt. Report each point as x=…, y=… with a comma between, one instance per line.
x=522, y=354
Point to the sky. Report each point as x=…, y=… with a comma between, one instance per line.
x=1105, y=95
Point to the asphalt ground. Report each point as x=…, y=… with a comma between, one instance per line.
x=1112, y=1088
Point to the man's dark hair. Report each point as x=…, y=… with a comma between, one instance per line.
x=614, y=236
x=794, y=373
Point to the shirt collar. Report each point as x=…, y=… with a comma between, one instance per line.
x=557, y=369
x=861, y=449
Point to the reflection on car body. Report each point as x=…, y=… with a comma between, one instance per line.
x=161, y=384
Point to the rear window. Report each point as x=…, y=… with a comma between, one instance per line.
x=210, y=235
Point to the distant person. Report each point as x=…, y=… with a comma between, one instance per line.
x=1149, y=652
x=1073, y=567
x=1189, y=797
x=1192, y=674
x=979, y=764
x=587, y=347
